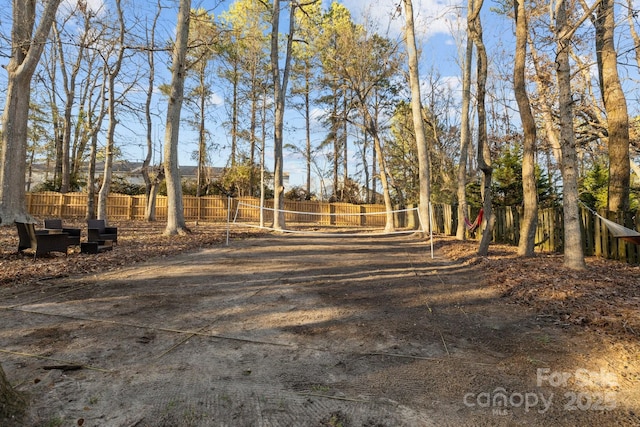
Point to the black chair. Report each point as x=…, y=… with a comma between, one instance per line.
x=56, y=224
x=41, y=241
x=97, y=231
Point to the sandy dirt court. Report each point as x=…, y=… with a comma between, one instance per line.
x=304, y=331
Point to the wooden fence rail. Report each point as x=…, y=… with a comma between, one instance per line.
x=549, y=234
x=209, y=208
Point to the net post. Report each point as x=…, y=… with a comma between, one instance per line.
x=228, y=217
x=431, y=228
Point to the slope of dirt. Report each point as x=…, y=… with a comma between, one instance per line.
x=283, y=330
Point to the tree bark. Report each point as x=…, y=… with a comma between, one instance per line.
x=175, y=208
x=615, y=105
x=26, y=48
x=465, y=136
x=545, y=106
x=573, y=252
x=69, y=85
x=418, y=123
x=151, y=182
x=280, y=89
x=384, y=181
x=484, y=153
x=105, y=188
x=13, y=404
x=95, y=129
x=529, y=223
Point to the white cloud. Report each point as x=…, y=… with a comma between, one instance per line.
x=216, y=99
x=431, y=17
x=92, y=5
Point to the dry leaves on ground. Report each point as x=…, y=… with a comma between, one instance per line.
x=137, y=241
x=604, y=297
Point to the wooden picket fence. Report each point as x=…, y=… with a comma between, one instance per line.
x=596, y=239
x=209, y=209
x=549, y=234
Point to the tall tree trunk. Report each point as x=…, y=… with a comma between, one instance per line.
x=202, y=138
x=95, y=129
x=234, y=117
x=374, y=174
x=307, y=126
x=263, y=141
x=26, y=46
x=253, y=140
x=529, y=223
x=151, y=182
x=372, y=128
x=345, y=147
x=365, y=168
x=418, y=123
x=573, y=252
x=91, y=178
x=280, y=90
x=175, y=209
x=103, y=194
x=336, y=142
x=105, y=188
x=465, y=136
x=615, y=105
x=484, y=152
x=69, y=85
x=545, y=106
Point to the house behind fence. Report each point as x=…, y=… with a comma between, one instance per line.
x=549, y=235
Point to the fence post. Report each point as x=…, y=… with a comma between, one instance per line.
x=130, y=207
x=60, y=205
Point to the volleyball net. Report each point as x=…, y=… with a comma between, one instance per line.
x=350, y=220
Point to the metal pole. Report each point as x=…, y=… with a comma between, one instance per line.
x=228, y=217
x=431, y=228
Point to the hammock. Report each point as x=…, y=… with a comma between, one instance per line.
x=472, y=226
x=618, y=231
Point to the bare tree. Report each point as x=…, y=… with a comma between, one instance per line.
x=96, y=112
x=152, y=175
x=615, y=105
x=545, y=103
x=27, y=44
x=69, y=73
x=113, y=72
x=465, y=135
x=529, y=222
x=418, y=123
x=280, y=89
x=175, y=208
x=573, y=252
x=484, y=153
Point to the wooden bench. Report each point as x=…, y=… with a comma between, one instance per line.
x=41, y=241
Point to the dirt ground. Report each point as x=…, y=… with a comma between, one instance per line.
x=302, y=330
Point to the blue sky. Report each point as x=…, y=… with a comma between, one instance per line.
x=437, y=23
